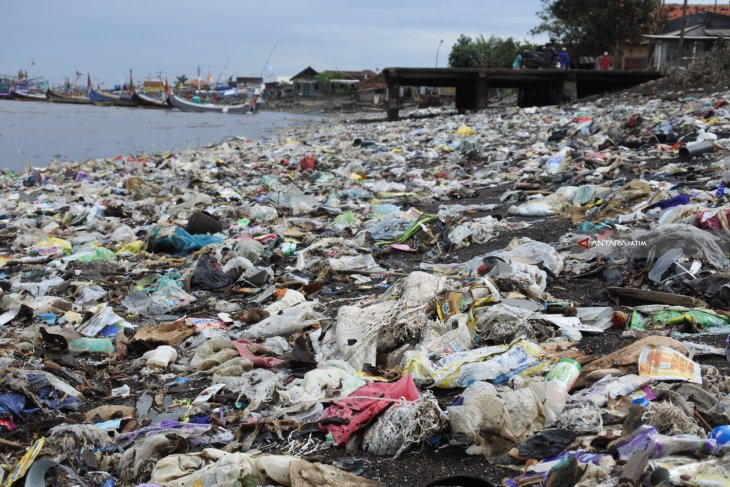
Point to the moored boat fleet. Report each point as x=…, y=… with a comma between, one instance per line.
x=163, y=99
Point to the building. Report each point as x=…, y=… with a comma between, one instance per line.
x=306, y=83
x=310, y=82
x=281, y=88
x=371, y=90
x=705, y=25
x=248, y=82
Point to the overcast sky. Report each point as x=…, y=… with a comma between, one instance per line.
x=57, y=38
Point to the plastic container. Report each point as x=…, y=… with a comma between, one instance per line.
x=565, y=373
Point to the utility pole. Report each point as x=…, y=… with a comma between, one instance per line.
x=681, y=33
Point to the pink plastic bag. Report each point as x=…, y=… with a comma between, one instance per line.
x=360, y=411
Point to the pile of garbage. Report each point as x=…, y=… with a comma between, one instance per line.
x=545, y=288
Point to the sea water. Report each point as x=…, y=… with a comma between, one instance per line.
x=38, y=132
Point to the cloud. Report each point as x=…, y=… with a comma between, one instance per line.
x=176, y=36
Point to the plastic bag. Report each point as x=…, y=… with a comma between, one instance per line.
x=367, y=402
x=175, y=240
x=52, y=246
x=662, y=363
x=209, y=275
x=495, y=364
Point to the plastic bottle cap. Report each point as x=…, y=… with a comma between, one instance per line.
x=721, y=434
x=641, y=401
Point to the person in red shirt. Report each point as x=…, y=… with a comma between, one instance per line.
x=605, y=62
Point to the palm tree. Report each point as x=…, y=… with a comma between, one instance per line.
x=181, y=80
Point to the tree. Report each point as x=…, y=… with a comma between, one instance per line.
x=479, y=52
x=589, y=27
x=326, y=79
x=181, y=80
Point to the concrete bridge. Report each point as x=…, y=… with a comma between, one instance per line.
x=535, y=86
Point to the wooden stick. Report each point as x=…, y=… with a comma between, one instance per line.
x=12, y=444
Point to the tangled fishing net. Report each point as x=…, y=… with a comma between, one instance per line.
x=405, y=425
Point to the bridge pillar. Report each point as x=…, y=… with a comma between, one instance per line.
x=472, y=95
x=393, y=101
x=570, y=88
x=540, y=95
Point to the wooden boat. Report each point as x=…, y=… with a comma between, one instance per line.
x=99, y=97
x=24, y=95
x=188, y=106
x=144, y=100
x=62, y=98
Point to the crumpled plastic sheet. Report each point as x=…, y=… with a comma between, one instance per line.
x=366, y=403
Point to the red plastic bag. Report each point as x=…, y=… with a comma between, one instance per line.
x=307, y=162
x=356, y=413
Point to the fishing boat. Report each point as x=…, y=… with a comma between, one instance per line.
x=5, y=88
x=63, y=98
x=144, y=100
x=189, y=106
x=99, y=97
x=24, y=95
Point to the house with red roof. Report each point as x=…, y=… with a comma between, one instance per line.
x=704, y=26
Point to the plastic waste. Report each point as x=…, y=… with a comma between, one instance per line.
x=250, y=249
x=662, y=363
x=661, y=319
x=344, y=417
x=52, y=246
x=175, y=240
x=202, y=222
x=647, y=439
x=209, y=275
x=160, y=357
x=721, y=434
x=663, y=264
x=547, y=443
x=284, y=322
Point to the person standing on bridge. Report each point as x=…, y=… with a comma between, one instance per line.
x=564, y=59
x=517, y=63
x=605, y=62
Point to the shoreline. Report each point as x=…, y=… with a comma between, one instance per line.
x=40, y=134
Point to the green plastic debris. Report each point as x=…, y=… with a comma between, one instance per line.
x=662, y=320
x=412, y=229
x=345, y=220
x=97, y=254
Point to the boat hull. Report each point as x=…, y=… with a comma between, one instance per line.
x=72, y=99
x=102, y=98
x=22, y=95
x=187, y=106
x=147, y=101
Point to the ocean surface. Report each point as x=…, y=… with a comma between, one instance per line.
x=37, y=132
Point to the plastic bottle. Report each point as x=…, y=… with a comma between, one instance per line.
x=565, y=373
